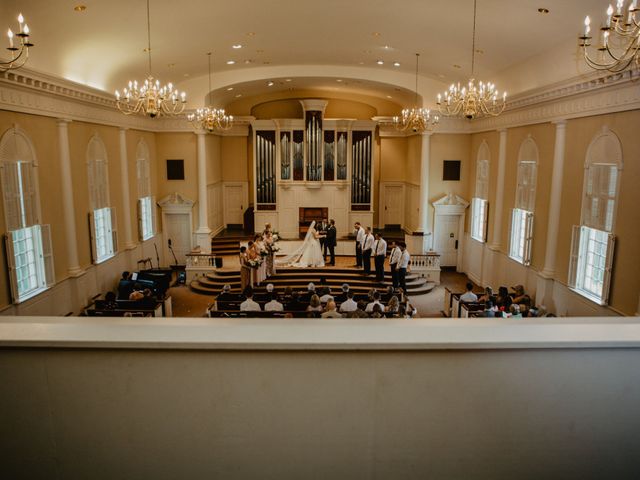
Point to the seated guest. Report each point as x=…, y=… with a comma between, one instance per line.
x=489, y=310
x=392, y=306
x=330, y=311
x=399, y=292
x=226, y=294
x=249, y=305
x=264, y=296
x=370, y=294
x=349, y=305
x=409, y=310
x=273, y=305
x=503, y=300
x=342, y=296
x=376, y=301
x=469, y=296
x=520, y=297
x=487, y=296
x=359, y=312
x=377, y=311
x=326, y=296
x=314, y=304
x=110, y=301
x=286, y=296
x=514, y=310
x=295, y=305
x=125, y=287
x=311, y=290
x=137, y=293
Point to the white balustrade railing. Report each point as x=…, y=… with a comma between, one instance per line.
x=426, y=261
x=201, y=260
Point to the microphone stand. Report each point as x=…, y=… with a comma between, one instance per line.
x=174, y=255
x=157, y=255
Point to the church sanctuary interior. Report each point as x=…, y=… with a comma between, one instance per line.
x=286, y=239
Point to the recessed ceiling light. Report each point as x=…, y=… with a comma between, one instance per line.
x=389, y=96
x=171, y=65
x=269, y=84
x=387, y=47
x=338, y=80
x=237, y=46
x=543, y=10
x=287, y=79
x=80, y=8
x=380, y=62
x=238, y=95
x=229, y=89
x=376, y=34
x=250, y=34
x=396, y=64
x=456, y=66
x=360, y=63
x=247, y=61
x=230, y=62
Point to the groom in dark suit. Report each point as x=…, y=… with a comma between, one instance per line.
x=322, y=227
x=330, y=241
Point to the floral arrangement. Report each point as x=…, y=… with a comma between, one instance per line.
x=255, y=263
x=274, y=248
x=275, y=236
x=263, y=253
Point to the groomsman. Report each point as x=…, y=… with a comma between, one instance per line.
x=379, y=254
x=330, y=241
x=322, y=227
x=367, y=246
x=403, y=264
x=360, y=233
x=394, y=258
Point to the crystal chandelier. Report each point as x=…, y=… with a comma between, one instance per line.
x=416, y=119
x=19, y=52
x=619, y=39
x=476, y=99
x=210, y=119
x=150, y=98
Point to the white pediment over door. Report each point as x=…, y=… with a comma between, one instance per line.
x=448, y=229
x=451, y=204
x=176, y=203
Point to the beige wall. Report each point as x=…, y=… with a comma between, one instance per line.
x=625, y=285
x=214, y=158
x=448, y=147
x=234, y=159
x=475, y=414
x=393, y=159
x=175, y=146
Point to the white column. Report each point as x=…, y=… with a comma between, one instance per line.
x=202, y=234
x=124, y=187
x=497, y=218
x=555, y=200
x=423, y=214
x=68, y=207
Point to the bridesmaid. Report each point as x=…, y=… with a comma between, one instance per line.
x=267, y=228
x=245, y=270
x=261, y=251
x=252, y=254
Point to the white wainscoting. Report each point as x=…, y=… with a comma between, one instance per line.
x=412, y=201
x=73, y=294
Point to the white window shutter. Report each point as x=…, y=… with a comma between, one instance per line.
x=485, y=220
x=140, y=220
x=11, y=194
x=92, y=237
x=528, y=238
x=91, y=180
x=11, y=265
x=47, y=255
x=574, y=256
x=114, y=229
x=154, y=215
x=608, y=268
x=29, y=198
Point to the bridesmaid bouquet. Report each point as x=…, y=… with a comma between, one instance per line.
x=255, y=263
x=275, y=236
x=274, y=248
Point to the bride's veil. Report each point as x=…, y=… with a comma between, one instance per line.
x=295, y=256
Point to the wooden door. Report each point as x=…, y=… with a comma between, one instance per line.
x=233, y=204
x=178, y=231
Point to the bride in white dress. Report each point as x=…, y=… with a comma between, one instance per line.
x=309, y=254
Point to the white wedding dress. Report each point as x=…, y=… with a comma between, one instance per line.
x=309, y=254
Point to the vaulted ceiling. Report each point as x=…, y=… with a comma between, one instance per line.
x=323, y=45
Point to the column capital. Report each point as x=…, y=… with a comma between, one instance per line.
x=502, y=130
x=427, y=133
x=562, y=123
x=200, y=132
x=63, y=121
x=124, y=129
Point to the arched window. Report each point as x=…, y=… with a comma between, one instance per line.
x=146, y=202
x=480, y=203
x=522, y=214
x=593, y=240
x=102, y=219
x=28, y=243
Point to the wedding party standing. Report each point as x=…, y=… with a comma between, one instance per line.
x=367, y=246
x=360, y=233
x=308, y=254
x=379, y=255
x=245, y=269
x=330, y=242
x=403, y=264
x=269, y=244
x=394, y=258
x=322, y=228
